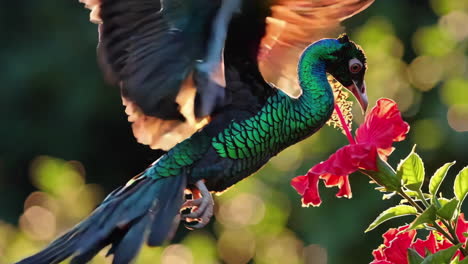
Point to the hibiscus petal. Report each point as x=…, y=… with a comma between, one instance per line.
x=307, y=187
x=381, y=262
x=383, y=125
x=347, y=160
x=378, y=254
x=332, y=180
x=345, y=189
x=422, y=245
x=397, y=252
x=300, y=183
x=392, y=233
x=334, y=171
x=462, y=227
x=312, y=196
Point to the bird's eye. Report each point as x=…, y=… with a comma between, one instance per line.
x=355, y=67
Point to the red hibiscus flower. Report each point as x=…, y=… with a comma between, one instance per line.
x=383, y=125
x=394, y=250
x=395, y=247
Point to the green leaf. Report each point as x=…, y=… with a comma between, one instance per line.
x=456, y=260
x=442, y=201
x=428, y=216
x=412, y=194
x=392, y=212
x=464, y=261
x=438, y=177
x=411, y=171
x=460, y=186
x=441, y=257
x=448, y=209
x=436, y=202
x=415, y=195
x=414, y=257
x=385, y=176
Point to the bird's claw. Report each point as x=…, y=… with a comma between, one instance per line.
x=202, y=207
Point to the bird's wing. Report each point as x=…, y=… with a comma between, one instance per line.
x=167, y=55
x=294, y=24
x=153, y=49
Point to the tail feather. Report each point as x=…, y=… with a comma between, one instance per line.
x=143, y=210
x=88, y=255
x=131, y=243
x=162, y=226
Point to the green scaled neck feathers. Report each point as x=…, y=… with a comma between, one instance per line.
x=283, y=121
x=316, y=100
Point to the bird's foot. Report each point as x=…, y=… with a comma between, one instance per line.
x=202, y=206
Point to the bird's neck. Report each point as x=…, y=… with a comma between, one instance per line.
x=316, y=101
x=313, y=78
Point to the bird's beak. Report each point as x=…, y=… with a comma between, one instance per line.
x=359, y=91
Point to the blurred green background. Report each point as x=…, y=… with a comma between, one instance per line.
x=66, y=141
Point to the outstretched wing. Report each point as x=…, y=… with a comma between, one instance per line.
x=294, y=24
x=167, y=56
x=153, y=50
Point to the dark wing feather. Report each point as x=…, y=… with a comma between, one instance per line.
x=246, y=89
x=163, y=54
x=153, y=50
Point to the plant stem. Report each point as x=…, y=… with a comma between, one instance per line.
x=423, y=199
x=452, y=237
x=411, y=201
x=445, y=234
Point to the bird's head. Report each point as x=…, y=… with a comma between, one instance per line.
x=348, y=66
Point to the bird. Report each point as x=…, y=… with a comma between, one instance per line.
x=222, y=86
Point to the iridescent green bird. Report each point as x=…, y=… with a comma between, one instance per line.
x=199, y=78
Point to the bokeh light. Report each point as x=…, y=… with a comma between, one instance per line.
x=282, y=248
x=457, y=117
x=455, y=24
x=49, y=173
x=433, y=41
x=426, y=134
x=455, y=91
x=177, y=253
x=289, y=160
x=244, y=209
x=315, y=254
x=442, y=7
x=38, y=223
x=425, y=72
x=236, y=246
x=203, y=246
